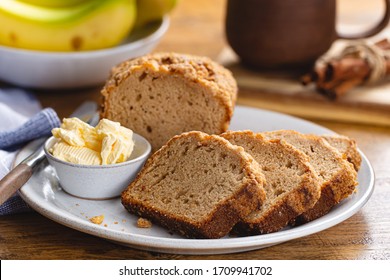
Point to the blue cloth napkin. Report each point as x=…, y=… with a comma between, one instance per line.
x=21, y=120
x=38, y=126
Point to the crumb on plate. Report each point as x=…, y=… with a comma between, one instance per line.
x=97, y=219
x=144, y=223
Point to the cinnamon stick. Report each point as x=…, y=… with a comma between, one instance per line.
x=338, y=75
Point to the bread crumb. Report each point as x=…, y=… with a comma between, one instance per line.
x=97, y=219
x=144, y=223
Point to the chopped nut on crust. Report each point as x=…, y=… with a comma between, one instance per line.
x=97, y=219
x=144, y=223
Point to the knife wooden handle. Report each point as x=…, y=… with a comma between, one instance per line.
x=14, y=180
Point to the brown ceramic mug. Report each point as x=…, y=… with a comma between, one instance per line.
x=282, y=34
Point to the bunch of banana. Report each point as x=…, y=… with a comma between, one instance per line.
x=72, y=25
x=150, y=10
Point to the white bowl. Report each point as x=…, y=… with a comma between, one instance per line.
x=99, y=181
x=64, y=70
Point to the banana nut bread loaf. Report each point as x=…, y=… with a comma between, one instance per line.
x=337, y=176
x=197, y=185
x=164, y=94
x=292, y=186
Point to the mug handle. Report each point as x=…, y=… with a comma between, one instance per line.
x=374, y=30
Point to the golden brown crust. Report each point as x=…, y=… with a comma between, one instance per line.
x=321, y=208
x=347, y=147
x=225, y=214
x=195, y=68
x=299, y=196
x=273, y=223
x=283, y=211
x=201, y=71
x=218, y=223
x=333, y=192
x=198, y=69
x=342, y=181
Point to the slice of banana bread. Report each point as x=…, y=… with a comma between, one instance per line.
x=164, y=94
x=337, y=176
x=197, y=185
x=347, y=147
x=292, y=186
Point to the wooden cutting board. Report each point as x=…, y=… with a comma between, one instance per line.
x=283, y=92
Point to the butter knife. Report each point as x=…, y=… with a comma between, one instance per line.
x=21, y=173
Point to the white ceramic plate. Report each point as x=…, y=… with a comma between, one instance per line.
x=44, y=194
x=64, y=70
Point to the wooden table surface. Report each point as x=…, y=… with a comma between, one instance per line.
x=197, y=28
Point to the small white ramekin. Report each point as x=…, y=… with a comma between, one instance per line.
x=99, y=181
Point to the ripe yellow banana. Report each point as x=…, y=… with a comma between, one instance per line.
x=150, y=10
x=85, y=25
x=54, y=3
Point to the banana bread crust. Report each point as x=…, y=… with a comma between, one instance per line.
x=223, y=215
x=338, y=181
x=164, y=94
x=347, y=147
x=300, y=186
